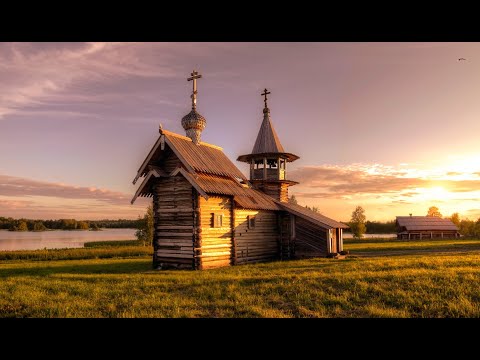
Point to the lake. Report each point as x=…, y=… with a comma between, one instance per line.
x=59, y=239
x=371, y=236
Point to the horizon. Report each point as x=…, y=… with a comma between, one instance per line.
x=391, y=127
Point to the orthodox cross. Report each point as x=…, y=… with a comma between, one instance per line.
x=195, y=76
x=265, y=93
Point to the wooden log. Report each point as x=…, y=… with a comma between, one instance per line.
x=232, y=226
x=174, y=227
x=175, y=210
x=175, y=234
x=175, y=260
x=198, y=230
x=161, y=254
x=214, y=253
x=219, y=246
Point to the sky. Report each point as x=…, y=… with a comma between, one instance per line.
x=391, y=127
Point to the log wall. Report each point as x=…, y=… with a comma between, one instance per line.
x=311, y=241
x=277, y=190
x=216, y=242
x=260, y=243
x=170, y=162
x=174, y=223
x=286, y=235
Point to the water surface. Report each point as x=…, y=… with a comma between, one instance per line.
x=371, y=236
x=59, y=239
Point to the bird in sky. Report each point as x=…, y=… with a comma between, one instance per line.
x=462, y=59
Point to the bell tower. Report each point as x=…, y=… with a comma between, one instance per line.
x=268, y=160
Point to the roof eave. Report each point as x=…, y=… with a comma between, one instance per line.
x=248, y=157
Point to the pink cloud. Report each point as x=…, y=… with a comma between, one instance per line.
x=336, y=182
x=16, y=186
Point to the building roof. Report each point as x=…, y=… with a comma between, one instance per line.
x=207, y=184
x=210, y=171
x=267, y=143
x=425, y=223
x=267, y=138
x=203, y=157
x=312, y=216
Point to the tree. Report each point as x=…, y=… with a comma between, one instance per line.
x=82, y=225
x=313, y=208
x=455, y=218
x=357, y=222
x=292, y=200
x=433, y=211
x=39, y=226
x=68, y=224
x=145, y=227
x=95, y=227
x=22, y=226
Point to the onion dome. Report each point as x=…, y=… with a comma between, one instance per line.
x=194, y=124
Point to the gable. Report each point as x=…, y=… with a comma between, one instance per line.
x=204, y=157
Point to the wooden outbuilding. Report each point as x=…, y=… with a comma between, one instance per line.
x=208, y=214
x=425, y=227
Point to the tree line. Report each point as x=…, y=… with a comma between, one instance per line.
x=370, y=227
x=359, y=225
x=64, y=224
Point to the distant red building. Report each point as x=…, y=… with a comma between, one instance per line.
x=425, y=227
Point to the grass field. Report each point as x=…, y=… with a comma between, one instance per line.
x=77, y=254
x=394, y=245
x=439, y=285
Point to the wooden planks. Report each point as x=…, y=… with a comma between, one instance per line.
x=260, y=243
x=277, y=190
x=216, y=245
x=174, y=225
x=311, y=240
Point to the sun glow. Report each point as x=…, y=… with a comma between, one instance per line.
x=462, y=167
x=435, y=193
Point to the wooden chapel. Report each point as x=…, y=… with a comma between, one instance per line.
x=207, y=214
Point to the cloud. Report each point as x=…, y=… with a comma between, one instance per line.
x=27, y=198
x=20, y=187
x=335, y=182
x=79, y=78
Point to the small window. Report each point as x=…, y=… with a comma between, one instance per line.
x=217, y=220
x=251, y=222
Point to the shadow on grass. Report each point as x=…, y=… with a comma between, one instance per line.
x=112, y=267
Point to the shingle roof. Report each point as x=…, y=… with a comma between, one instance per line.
x=204, y=157
x=312, y=216
x=426, y=223
x=267, y=139
x=245, y=197
x=267, y=143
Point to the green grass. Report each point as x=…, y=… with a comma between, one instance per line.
x=442, y=285
x=392, y=245
x=113, y=243
x=77, y=254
